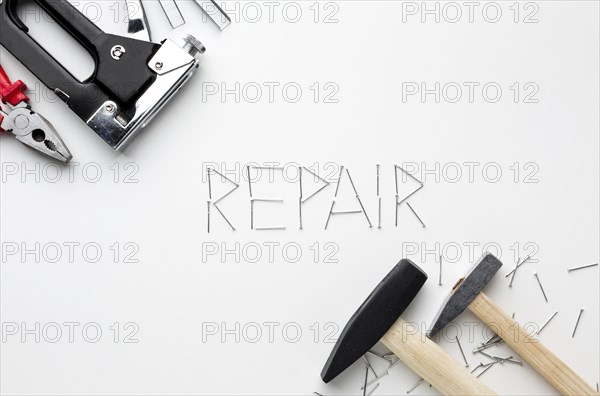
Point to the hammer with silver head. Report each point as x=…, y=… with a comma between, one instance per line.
x=467, y=294
x=378, y=319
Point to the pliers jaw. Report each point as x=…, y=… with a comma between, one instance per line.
x=35, y=131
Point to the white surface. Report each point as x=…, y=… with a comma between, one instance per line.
x=368, y=53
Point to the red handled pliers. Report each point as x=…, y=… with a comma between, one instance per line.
x=29, y=127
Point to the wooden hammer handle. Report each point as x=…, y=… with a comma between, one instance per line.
x=431, y=362
x=565, y=380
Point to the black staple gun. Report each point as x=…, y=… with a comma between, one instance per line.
x=133, y=78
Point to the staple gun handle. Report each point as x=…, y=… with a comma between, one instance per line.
x=73, y=21
x=15, y=38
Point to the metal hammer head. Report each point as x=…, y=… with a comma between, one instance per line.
x=465, y=291
x=375, y=316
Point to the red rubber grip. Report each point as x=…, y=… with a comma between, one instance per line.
x=11, y=92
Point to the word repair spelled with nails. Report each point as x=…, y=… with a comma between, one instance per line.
x=335, y=188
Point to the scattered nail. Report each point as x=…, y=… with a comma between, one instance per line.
x=489, y=366
x=577, y=323
x=369, y=365
x=300, y=210
x=377, y=166
x=541, y=287
x=440, y=278
x=514, y=272
x=548, y=321
x=373, y=390
x=337, y=187
x=522, y=262
x=249, y=181
x=329, y=215
x=366, y=378
x=379, y=218
x=582, y=267
x=416, y=385
x=461, y=350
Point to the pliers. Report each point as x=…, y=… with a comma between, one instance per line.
x=29, y=127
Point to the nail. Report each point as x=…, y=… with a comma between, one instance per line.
x=541, y=287
x=346, y=212
x=461, y=351
x=209, y=186
x=396, y=177
x=377, y=166
x=440, y=279
x=369, y=365
x=329, y=215
x=379, y=216
x=251, y=214
x=416, y=385
x=223, y=176
x=514, y=362
x=486, y=369
x=415, y=213
x=300, y=210
x=373, y=390
x=512, y=278
x=411, y=194
x=364, y=211
x=396, y=210
x=371, y=382
x=315, y=193
x=366, y=378
x=226, y=194
x=381, y=356
x=545, y=324
x=270, y=228
x=488, y=344
x=219, y=210
x=577, y=323
x=522, y=262
x=208, y=211
x=337, y=187
x=249, y=181
x=582, y=267
x=315, y=175
x=351, y=182
x=300, y=179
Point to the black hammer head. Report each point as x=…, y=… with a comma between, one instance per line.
x=375, y=316
x=465, y=291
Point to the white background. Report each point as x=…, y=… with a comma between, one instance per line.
x=174, y=291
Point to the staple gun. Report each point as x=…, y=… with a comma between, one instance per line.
x=133, y=77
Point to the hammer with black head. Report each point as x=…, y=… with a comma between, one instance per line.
x=378, y=319
x=467, y=294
